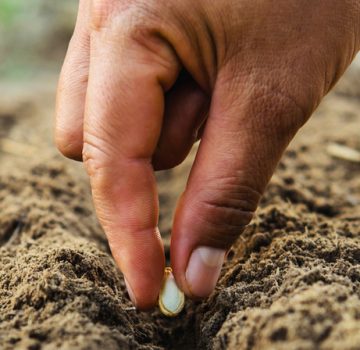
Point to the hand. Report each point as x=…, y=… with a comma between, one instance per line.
x=143, y=80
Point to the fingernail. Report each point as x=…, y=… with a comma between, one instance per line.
x=130, y=292
x=203, y=270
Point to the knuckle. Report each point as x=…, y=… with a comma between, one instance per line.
x=89, y=158
x=139, y=24
x=95, y=157
x=225, y=223
x=69, y=143
x=145, y=30
x=126, y=15
x=101, y=12
x=225, y=211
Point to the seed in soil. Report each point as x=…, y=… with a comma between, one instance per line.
x=171, y=298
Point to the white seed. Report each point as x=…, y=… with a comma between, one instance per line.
x=171, y=298
x=343, y=152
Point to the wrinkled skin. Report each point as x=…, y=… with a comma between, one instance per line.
x=143, y=80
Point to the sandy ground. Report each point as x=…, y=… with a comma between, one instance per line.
x=292, y=281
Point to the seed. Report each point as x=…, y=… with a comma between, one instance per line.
x=171, y=298
x=343, y=152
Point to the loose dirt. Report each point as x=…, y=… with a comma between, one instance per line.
x=292, y=281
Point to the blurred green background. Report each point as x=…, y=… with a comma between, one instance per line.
x=33, y=36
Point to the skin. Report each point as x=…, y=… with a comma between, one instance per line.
x=143, y=80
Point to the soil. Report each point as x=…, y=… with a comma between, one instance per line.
x=292, y=281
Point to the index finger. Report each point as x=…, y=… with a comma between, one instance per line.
x=123, y=118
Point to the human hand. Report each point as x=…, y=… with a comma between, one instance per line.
x=143, y=80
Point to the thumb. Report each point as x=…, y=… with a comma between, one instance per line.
x=245, y=135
